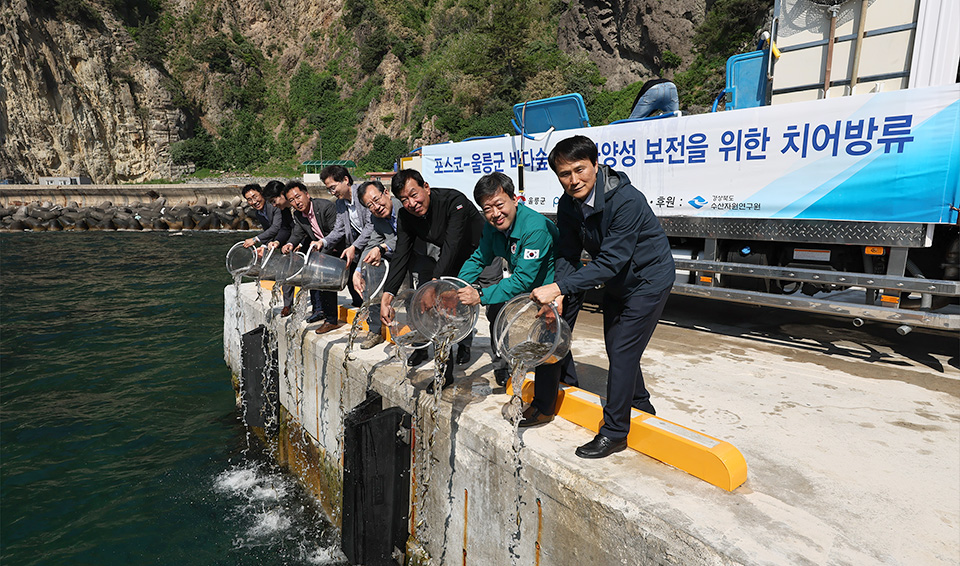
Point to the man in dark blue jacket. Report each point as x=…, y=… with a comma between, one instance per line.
x=602, y=213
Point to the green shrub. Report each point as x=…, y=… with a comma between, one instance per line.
x=670, y=60
x=728, y=28
x=200, y=150
x=384, y=153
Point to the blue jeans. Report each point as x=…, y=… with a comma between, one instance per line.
x=662, y=97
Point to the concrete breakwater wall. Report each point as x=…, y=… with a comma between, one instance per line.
x=464, y=507
x=88, y=207
x=154, y=215
x=93, y=195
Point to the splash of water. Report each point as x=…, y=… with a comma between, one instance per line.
x=271, y=512
x=522, y=357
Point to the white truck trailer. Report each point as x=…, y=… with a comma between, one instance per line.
x=840, y=200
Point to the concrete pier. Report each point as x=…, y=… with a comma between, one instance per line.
x=843, y=469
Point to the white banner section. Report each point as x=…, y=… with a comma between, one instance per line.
x=886, y=157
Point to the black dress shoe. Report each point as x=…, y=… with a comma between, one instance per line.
x=463, y=355
x=315, y=317
x=447, y=380
x=601, y=446
x=417, y=357
x=501, y=375
x=533, y=417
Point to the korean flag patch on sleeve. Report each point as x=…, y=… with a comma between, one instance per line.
x=531, y=254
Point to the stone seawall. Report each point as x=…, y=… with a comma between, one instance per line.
x=572, y=511
x=835, y=440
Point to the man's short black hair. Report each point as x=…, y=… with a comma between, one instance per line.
x=573, y=149
x=400, y=180
x=489, y=184
x=251, y=187
x=338, y=172
x=273, y=189
x=365, y=187
x=294, y=184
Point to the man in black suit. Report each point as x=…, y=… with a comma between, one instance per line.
x=312, y=218
x=602, y=213
x=443, y=217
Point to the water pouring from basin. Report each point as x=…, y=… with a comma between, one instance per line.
x=531, y=334
x=405, y=336
x=243, y=261
x=323, y=272
x=374, y=276
x=436, y=311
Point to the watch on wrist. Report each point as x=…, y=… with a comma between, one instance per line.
x=477, y=288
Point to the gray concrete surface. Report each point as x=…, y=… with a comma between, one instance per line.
x=851, y=436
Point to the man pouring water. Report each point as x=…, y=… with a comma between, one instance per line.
x=602, y=213
x=525, y=240
x=431, y=215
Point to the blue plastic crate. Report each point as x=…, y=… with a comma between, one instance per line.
x=565, y=112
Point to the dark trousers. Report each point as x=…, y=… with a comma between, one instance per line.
x=628, y=325
x=355, y=296
x=546, y=377
x=326, y=302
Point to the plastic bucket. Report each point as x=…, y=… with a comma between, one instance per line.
x=293, y=269
x=279, y=267
x=401, y=329
x=374, y=276
x=531, y=333
x=323, y=271
x=243, y=261
x=435, y=309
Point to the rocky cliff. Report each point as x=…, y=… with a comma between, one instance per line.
x=79, y=97
x=630, y=40
x=73, y=101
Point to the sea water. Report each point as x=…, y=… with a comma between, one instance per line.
x=119, y=437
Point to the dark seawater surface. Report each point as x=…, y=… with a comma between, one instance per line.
x=119, y=439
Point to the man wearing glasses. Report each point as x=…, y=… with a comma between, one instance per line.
x=443, y=217
x=353, y=226
x=380, y=246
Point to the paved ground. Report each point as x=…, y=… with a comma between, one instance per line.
x=851, y=435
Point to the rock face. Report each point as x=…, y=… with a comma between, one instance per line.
x=74, y=101
x=627, y=39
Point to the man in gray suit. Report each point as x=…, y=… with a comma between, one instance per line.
x=379, y=246
x=353, y=226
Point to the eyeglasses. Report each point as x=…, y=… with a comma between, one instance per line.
x=375, y=201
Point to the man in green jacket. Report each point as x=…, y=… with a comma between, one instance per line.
x=525, y=241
